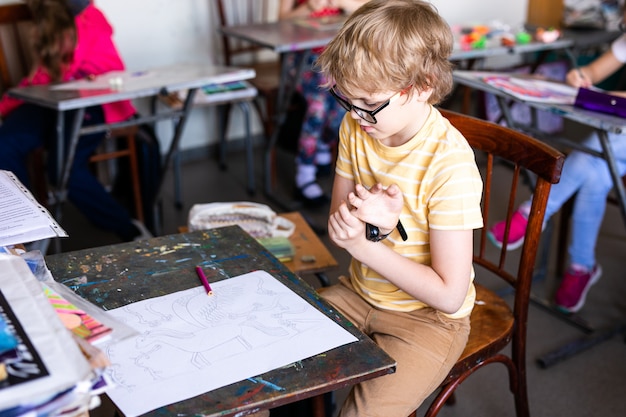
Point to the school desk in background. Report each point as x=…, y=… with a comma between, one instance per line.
x=602, y=123
x=125, y=85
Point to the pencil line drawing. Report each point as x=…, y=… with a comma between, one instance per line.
x=252, y=324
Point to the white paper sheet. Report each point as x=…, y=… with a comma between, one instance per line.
x=191, y=343
x=22, y=218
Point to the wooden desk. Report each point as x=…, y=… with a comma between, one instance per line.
x=308, y=244
x=116, y=275
x=311, y=257
x=78, y=95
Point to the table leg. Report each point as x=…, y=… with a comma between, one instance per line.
x=60, y=133
x=245, y=108
x=173, y=149
x=577, y=346
x=288, y=82
x=609, y=156
x=64, y=162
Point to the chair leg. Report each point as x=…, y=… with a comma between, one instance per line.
x=37, y=174
x=566, y=215
x=319, y=406
x=178, y=198
x=134, y=172
x=223, y=111
x=131, y=152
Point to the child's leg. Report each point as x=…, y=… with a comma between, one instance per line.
x=590, y=201
x=22, y=131
x=589, y=207
x=424, y=343
x=310, y=136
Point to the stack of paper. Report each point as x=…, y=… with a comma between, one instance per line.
x=44, y=370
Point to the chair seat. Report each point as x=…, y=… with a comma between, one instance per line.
x=267, y=78
x=491, y=330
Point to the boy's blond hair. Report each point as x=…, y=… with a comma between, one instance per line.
x=389, y=45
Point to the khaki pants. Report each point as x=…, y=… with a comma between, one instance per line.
x=424, y=343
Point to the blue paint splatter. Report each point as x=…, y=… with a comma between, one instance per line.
x=266, y=383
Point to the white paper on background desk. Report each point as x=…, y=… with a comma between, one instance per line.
x=22, y=218
x=110, y=80
x=191, y=343
x=529, y=88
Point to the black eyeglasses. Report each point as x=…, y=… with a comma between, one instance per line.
x=367, y=115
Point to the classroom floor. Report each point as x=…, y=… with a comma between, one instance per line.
x=590, y=383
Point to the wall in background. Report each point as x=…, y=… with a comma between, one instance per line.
x=162, y=32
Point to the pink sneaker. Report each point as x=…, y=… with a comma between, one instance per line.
x=575, y=285
x=516, y=234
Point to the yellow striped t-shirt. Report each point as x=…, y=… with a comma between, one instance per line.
x=442, y=188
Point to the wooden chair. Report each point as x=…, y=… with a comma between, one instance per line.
x=494, y=325
x=15, y=60
x=127, y=149
x=240, y=53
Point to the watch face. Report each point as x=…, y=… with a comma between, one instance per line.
x=372, y=233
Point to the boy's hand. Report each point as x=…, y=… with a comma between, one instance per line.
x=344, y=229
x=378, y=206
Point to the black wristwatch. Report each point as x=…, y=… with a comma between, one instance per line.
x=372, y=233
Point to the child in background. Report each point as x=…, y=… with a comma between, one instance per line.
x=323, y=115
x=72, y=40
x=405, y=200
x=588, y=178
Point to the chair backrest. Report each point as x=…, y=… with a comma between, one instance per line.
x=511, y=158
x=238, y=52
x=243, y=12
x=529, y=161
x=14, y=48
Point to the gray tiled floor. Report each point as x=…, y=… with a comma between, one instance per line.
x=590, y=383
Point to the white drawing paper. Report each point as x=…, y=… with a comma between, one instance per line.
x=190, y=343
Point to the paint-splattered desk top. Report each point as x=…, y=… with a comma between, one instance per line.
x=116, y=275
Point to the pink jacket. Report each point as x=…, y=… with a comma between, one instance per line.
x=95, y=54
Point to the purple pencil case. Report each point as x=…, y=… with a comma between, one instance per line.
x=601, y=102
